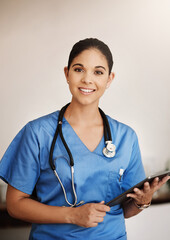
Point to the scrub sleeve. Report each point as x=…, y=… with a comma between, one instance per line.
x=20, y=166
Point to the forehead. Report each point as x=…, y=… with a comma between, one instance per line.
x=91, y=57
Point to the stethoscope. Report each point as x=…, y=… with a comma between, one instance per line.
x=109, y=151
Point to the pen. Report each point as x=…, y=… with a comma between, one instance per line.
x=121, y=173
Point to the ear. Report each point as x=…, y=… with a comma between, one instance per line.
x=110, y=79
x=66, y=73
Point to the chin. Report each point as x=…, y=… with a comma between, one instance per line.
x=86, y=102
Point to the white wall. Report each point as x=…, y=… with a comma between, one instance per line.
x=151, y=224
x=36, y=37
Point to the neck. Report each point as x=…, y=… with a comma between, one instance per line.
x=83, y=114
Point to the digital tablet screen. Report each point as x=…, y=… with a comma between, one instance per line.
x=122, y=197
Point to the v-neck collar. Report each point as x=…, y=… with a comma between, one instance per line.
x=98, y=147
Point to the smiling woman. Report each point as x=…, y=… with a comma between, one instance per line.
x=88, y=75
x=99, y=175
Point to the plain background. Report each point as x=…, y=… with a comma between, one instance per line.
x=36, y=37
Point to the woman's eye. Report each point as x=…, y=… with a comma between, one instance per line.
x=78, y=70
x=98, y=72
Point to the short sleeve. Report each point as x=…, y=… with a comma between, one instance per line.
x=20, y=165
x=135, y=170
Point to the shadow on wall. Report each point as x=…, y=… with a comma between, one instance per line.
x=20, y=233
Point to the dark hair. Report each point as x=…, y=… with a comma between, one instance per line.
x=91, y=43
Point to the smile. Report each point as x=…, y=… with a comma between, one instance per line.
x=86, y=90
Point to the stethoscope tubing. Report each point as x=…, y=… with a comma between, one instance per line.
x=107, y=138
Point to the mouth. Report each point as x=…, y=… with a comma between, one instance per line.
x=86, y=90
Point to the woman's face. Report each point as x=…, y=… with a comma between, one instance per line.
x=88, y=76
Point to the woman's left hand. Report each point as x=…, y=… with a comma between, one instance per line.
x=144, y=196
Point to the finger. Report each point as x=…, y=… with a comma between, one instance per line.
x=102, y=207
x=101, y=214
x=163, y=181
x=146, y=187
x=155, y=182
x=95, y=224
x=131, y=195
x=137, y=193
x=99, y=219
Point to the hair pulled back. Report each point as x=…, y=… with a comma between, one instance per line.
x=91, y=43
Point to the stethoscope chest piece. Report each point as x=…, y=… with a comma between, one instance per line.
x=110, y=149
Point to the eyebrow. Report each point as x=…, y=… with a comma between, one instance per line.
x=78, y=64
x=81, y=65
x=101, y=67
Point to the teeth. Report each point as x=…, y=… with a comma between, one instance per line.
x=86, y=90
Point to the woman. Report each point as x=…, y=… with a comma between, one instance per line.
x=97, y=178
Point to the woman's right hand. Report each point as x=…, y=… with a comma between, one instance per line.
x=90, y=214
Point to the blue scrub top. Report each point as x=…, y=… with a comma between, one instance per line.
x=25, y=165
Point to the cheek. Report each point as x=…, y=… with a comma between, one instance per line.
x=73, y=78
x=72, y=86
x=102, y=84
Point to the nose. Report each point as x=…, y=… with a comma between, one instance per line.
x=87, y=78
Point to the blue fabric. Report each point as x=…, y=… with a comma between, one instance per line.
x=25, y=164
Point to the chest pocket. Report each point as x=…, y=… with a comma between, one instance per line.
x=114, y=187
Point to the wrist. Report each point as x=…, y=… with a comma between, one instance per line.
x=141, y=206
x=70, y=215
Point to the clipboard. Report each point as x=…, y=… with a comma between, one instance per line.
x=122, y=197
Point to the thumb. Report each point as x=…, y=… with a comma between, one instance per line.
x=102, y=202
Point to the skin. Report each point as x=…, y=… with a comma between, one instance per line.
x=88, y=71
x=88, y=78
x=143, y=196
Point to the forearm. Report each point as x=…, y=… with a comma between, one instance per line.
x=130, y=209
x=21, y=206
x=32, y=211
